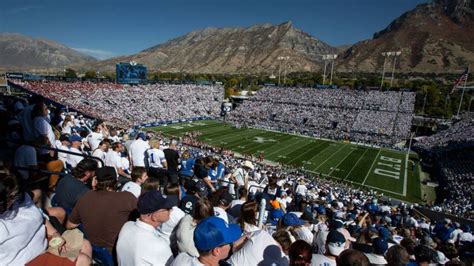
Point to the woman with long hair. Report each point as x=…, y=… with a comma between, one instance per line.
x=67, y=125
x=248, y=220
x=182, y=236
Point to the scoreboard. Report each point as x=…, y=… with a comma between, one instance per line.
x=131, y=73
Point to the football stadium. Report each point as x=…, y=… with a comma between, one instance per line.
x=246, y=145
x=388, y=171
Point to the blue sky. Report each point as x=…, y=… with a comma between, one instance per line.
x=106, y=28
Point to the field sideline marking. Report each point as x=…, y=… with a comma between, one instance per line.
x=391, y=192
x=353, y=167
x=342, y=146
x=376, y=158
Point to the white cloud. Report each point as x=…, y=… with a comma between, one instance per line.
x=99, y=54
x=22, y=9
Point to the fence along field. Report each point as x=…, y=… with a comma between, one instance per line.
x=388, y=171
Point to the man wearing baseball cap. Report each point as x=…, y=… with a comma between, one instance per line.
x=335, y=245
x=213, y=239
x=139, y=242
x=74, y=159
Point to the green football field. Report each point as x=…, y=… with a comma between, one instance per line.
x=388, y=171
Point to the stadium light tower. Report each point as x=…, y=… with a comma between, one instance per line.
x=334, y=56
x=286, y=65
x=280, y=58
x=385, y=55
x=395, y=55
x=326, y=58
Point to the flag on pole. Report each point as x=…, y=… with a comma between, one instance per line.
x=461, y=79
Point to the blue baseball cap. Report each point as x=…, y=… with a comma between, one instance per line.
x=73, y=138
x=290, y=219
x=321, y=210
x=153, y=201
x=335, y=242
x=380, y=245
x=213, y=232
x=384, y=233
x=141, y=135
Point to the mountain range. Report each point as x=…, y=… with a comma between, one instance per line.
x=19, y=52
x=433, y=37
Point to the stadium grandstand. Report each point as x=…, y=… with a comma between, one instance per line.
x=88, y=178
x=382, y=118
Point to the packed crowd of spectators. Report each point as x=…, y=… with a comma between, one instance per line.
x=127, y=105
x=452, y=151
x=147, y=199
x=376, y=117
x=461, y=132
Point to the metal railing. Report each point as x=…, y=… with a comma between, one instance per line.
x=54, y=149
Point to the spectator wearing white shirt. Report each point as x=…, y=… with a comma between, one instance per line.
x=301, y=189
x=114, y=135
x=139, y=242
x=139, y=176
x=101, y=151
x=94, y=138
x=176, y=215
x=113, y=159
x=67, y=125
x=223, y=204
x=138, y=149
x=213, y=238
x=42, y=128
x=156, y=159
x=73, y=159
x=63, y=144
x=248, y=218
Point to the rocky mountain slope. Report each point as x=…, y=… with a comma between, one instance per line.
x=434, y=37
x=233, y=50
x=19, y=52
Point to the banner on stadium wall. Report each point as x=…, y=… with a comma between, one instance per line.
x=321, y=86
x=14, y=75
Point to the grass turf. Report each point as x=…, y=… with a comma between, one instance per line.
x=385, y=170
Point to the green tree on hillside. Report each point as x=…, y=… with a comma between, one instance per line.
x=70, y=73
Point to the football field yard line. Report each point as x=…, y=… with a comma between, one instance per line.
x=319, y=144
x=284, y=147
x=234, y=137
x=335, y=167
x=321, y=151
x=342, y=146
x=295, y=150
x=368, y=173
x=292, y=148
x=406, y=176
x=266, y=135
x=353, y=167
